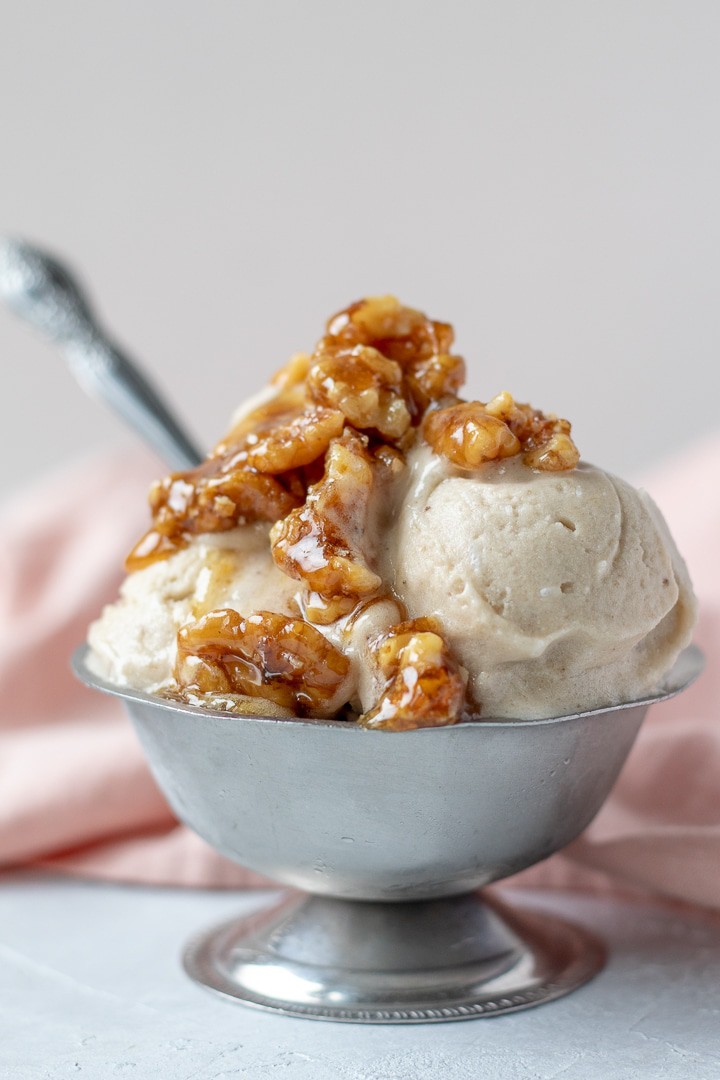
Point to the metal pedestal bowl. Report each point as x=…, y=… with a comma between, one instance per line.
x=391, y=834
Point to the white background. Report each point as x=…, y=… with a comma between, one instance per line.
x=226, y=174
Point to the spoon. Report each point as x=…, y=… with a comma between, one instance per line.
x=43, y=292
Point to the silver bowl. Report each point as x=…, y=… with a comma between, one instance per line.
x=392, y=834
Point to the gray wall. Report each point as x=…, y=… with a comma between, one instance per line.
x=225, y=175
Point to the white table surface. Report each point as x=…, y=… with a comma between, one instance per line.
x=91, y=986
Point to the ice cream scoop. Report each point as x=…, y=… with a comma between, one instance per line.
x=556, y=591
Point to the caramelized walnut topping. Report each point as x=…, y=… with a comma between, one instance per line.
x=379, y=367
x=469, y=436
x=198, y=501
x=324, y=610
x=293, y=373
x=320, y=543
x=365, y=385
x=398, y=332
x=252, y=475
x=390, y=458
x=277, y=411
x=472, y=433
x=556, y=454
x=299, y=442
x=266, y=655
x=545, y=439
x=240, y=704
x=424, y=685
x=434, y=379
x=309, y=459
x=419, y=345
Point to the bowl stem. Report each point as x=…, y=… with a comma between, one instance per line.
x=394, y=963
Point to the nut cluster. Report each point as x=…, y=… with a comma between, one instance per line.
x=321, y=542
x=310, y=461
x=424, y=685
x=266, y=655
x=472, y=433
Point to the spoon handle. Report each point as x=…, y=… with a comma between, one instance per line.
x=43, y=292
x=105, y=372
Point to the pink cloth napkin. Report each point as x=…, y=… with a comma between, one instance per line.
x=76, y=795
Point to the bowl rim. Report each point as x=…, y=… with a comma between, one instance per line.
x=688, y=666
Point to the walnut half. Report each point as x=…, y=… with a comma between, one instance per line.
x=267, y=655
x=365, y=385
x=469, y=436
x=472, y=433
x=425, y=687
x=320, y=543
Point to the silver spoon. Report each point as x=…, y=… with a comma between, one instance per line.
x=42, y=291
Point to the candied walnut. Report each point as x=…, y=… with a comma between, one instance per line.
x=375, y=318
x=185, y=504
x=281, y=409
x=378, y=367
x=469, y=436
x=472, y=433
x=215, y=503
x=365, y=385
x=419, y=345
x=299, y=442
x=266, y=655
x=255, y=474
x=503, y=407
x=293, y=373
x=557, y=454
x=151, y=547
x=398, y=332
x=390, y=459
x=425, y=686
x=320, y=543
x=324, y=610
x=435, y=378
x=544, y=438
x=240, y=704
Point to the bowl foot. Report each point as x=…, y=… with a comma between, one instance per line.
x=394, y=963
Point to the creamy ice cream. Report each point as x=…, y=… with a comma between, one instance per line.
x=557, y=592
x=134, y=643
x=363, y=543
